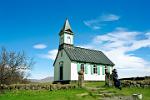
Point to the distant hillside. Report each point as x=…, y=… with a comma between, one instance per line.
x=47, y=79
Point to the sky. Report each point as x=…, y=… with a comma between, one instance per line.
x=119, y=28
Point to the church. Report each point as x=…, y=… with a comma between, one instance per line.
x=71, y=59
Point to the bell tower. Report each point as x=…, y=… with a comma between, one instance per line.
x=66, y=35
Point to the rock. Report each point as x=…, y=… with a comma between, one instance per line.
x=83, y=94
x=137, y=96
x=118, y=98
x=145, y=86
x=138, y=85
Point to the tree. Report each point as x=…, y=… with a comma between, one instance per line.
x=14, y=66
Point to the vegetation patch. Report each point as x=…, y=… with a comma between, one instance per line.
x=95, y=92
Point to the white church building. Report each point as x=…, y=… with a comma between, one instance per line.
x=70, y=59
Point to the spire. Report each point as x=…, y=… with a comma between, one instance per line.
x=66, y=25
x=66, y=28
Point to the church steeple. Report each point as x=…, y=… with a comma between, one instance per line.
x=66, y=28
x=66, y=35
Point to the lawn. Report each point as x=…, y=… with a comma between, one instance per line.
x=125, y=91
x=129, y=91
x=73, y=94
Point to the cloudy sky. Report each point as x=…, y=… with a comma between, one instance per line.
x=119, y=28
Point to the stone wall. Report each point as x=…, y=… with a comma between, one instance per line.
x=37, y=87
x=135, y=83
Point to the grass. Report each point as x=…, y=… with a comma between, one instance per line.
x=125, y=91
x=94, y=84
x=72, y=94
x=129, y=91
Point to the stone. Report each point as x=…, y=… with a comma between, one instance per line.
x=137, y=96
x=83, y=94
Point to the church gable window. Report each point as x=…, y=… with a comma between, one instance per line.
x=61, y=64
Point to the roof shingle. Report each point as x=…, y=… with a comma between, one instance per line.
x=87, y=55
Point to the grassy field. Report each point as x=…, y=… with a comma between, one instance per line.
x=125, y=91
x=129, y=91
x=45, y=95
x=71, y=94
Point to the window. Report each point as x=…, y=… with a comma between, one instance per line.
x=68, y=39
x=61, y=64
x=82, y=67
x=95, y=69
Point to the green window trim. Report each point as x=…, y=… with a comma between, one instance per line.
x=103, y=70
x=91, y=69
x=86, y=68
x=98, y=69
x=78, y=67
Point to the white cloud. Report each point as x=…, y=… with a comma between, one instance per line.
x=40, y=46
x=94, y=24
x=98, y=22
x=118, y=45
x=109, y=17
x=50, y=55
x=148, y=34
x=96, y=27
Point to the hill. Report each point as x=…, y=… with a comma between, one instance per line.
x=47, y=79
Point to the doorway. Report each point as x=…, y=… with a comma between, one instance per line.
x=61, y=73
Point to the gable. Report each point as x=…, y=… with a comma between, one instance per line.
x=61, y=56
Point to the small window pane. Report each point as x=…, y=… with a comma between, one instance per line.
x=95, y=69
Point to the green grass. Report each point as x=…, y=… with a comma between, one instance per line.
x=125, y=91
x=94, y=84
x=72, y=94
x=129, y=91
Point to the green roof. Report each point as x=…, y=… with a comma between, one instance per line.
x=87, y=55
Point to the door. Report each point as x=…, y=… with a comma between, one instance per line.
x=61, y=73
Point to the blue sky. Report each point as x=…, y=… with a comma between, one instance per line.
x=120, y=28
